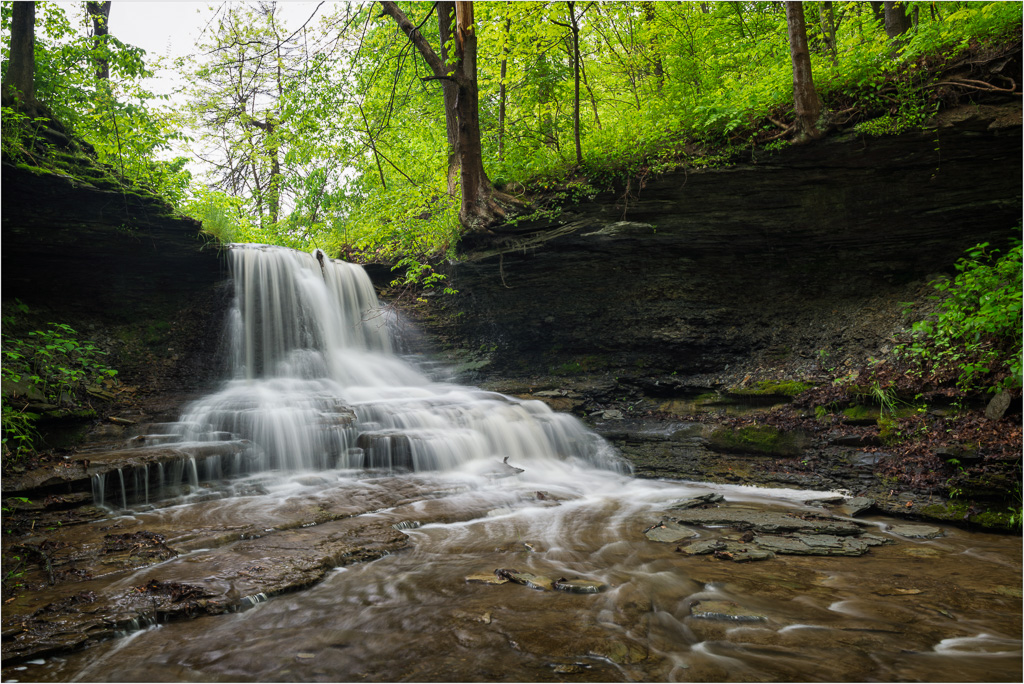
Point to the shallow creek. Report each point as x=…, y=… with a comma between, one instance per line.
x=944, y=609
x=374, y=575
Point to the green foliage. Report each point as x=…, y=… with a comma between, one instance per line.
x=56, y=361
x=115, y=116
x=57, y=364
x=975, y=334
x=18, y=430
x=337, y=140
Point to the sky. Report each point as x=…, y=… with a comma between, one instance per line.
x=171, y=30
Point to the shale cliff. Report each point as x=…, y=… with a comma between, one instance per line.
x=782, y=260
x=118, y=266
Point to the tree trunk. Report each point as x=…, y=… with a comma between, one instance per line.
x=826, y=17
x=99, y=12
x=274, y=184
x=805, y=98
x=479, y=208
x=445, y=19
x=659, y=68
x=19, y=81
x=590, y=91
x=878, y=9
x=574, y=26
x=502, y=91
x=896, y=21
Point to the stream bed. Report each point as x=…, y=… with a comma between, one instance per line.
x=431, y=608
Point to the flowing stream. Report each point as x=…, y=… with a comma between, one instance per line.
x=344, y=436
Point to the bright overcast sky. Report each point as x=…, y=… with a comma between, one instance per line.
x=171, y=29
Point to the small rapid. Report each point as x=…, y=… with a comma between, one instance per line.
x=315, y=385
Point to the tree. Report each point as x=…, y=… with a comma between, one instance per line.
x=896, y=20
x=238, y=101
x=445, y=20
x=574, y=29
x=19, y=80
x=99, y=12
x=480, y=201
x=805, y=97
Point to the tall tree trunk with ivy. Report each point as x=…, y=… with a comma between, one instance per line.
x=805, y=97
x=18, y=85
x=99, y=13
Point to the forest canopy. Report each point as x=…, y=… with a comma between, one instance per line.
x=337, y=131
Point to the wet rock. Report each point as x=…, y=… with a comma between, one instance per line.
x=703, y=500
x=998, y=406
x=766, y=522
x=758, y=440
x=620, y=652
x=916, y=531
x=724, y=610
x=407, y=525
x=702, y=547
x=669, y=532
x=854, y=506
x=742, y=552
x=568, y=668
x=580, y=586
x=813, y=545
x=827, y=501
x=875, y=540
x=610, y=414
x=527, y=579
x=839, y=438
x=486, y=578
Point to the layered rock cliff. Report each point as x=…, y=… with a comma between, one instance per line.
x=118, y=266
x=783, y=260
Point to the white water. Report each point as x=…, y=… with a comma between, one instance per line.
x=315, y=385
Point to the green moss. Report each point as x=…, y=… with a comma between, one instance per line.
x=584, y=364
x=859, y=414
x=755, y=439
x=962, y=510
x=773, y=389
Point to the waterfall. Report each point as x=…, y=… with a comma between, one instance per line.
x=314, y=384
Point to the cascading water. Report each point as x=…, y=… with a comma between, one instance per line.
x=315, y=384
x=453, y=575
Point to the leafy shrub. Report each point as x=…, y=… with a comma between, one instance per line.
x=56, y=363
x=975, y=334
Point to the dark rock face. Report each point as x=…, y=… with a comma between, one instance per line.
x=120, y=268
x=696, y=271
x=107, y=251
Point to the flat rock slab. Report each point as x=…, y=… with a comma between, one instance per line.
x=724, y=610
x=71, y=615
x=916, y=531
x=766, y=522
x=669, y=532
x=814, y=545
